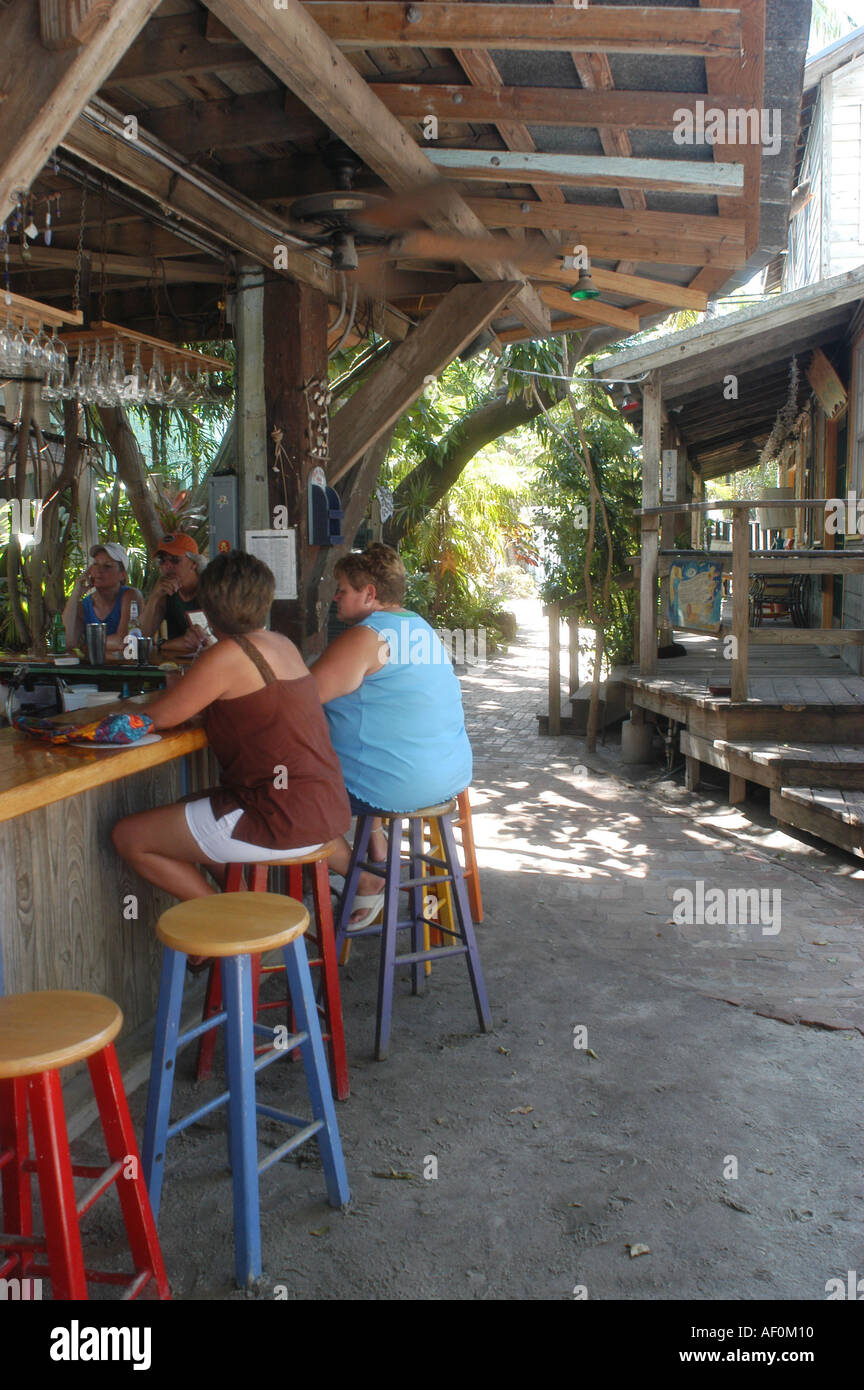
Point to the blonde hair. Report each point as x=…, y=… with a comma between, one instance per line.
x=379, y=565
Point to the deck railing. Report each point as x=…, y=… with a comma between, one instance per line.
x=655, y=564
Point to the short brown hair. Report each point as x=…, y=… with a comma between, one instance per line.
x=379, y=565
x=236, y=591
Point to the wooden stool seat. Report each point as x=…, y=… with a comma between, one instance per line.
x=232, y=924
x=444, y=808
x=53, y=1028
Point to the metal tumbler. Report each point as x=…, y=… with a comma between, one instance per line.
x=145, y=650
x=96, y=635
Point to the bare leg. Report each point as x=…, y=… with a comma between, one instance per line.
x=368, y=884
x=159, y=846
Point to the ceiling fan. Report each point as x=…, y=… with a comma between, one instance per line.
x=364, y=232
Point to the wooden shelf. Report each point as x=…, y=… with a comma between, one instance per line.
x=170, y=356
x=34, y=314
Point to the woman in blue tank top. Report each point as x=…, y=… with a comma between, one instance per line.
x=392, y=701
x=109, y=600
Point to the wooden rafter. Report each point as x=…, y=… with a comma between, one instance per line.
x=43, y=91
x=176, y=47
x=746, y=74
x=610, y=233
x=620, y=282
x=381, y=399
x=300, y=55
x=592, y=29
x=600, y=108
x=220, y=212
x=592, y=309
x=593, y=171
x=138, y=267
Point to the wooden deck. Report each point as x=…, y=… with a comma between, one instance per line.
x=800, y=734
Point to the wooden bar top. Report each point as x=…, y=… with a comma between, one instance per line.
x=35, y=774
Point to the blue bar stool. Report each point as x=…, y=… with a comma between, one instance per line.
x=417, y=884
x=234, y=927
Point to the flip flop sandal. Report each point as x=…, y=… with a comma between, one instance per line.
x=370, y=905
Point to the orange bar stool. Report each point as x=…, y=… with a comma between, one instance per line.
x=323, y=958
x=461, y=822
x=39, y=1034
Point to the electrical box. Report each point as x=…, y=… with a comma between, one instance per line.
x=224, y=530
x=325, y=511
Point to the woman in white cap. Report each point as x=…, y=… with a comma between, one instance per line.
x=109, y=600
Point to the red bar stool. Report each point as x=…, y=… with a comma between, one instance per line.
x=324, y=958
x=39, y=1034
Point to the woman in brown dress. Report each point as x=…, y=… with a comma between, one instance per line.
x=281, y=786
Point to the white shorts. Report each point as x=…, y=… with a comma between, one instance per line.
x=213, y=837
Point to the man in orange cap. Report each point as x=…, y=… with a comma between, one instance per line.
x=175, y=595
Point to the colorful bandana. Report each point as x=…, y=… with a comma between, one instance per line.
x=114, y=728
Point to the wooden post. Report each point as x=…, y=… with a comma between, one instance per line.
x=652, y=425
x=253, y=496
x=573, y=628
x=295, y=357
x=740, y=603
x=554, y=611
x=696, y=518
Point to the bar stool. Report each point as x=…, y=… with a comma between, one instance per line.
x=416, y=885
x=39, y=1034
x=234, y=927
x=461, y=822
x=330, y=1007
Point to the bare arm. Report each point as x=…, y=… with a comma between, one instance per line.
x=208, y=680
x=73, y=613
x=352, y=656
x=154, y=609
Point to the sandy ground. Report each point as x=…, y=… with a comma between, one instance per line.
x=527, y=1163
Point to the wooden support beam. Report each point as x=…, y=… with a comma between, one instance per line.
x=261, y=118
x=685, y=238
x=592, y=29
x=740, y=604
x=395, y=385
x=300, y=55
x=555, y=106
x=593, y=171
x=175, y=272
x=594, y=310
x=480, y=68
x=655, y=291
x=652, y=429
x=43, y=91
x=554, y=692
x=70, y=23
x=177, y=47
x=216, y=208
x=745, y=73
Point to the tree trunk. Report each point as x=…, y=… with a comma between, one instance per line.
x=132, y=471
x=426, y=484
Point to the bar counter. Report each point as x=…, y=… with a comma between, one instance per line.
x=72, y=914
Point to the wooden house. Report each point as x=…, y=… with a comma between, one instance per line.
x=771, y=693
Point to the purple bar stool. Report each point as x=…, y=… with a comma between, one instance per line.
x=446, y=870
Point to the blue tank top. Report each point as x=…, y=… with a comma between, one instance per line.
x=112, y=622
x=400, y=737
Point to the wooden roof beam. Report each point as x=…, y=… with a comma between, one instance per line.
x=213, y=207
x=594, y=310
x=300, y=55
x=177, y=47
x=744, y=73
x=618, y=282
x=396, y=384
x=590, y=108
x=43, y=90
x=593, y=171
x=592, y=29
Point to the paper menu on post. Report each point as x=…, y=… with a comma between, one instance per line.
x=278, y=550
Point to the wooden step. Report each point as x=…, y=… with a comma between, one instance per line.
x=796, y=764
x=831, y=813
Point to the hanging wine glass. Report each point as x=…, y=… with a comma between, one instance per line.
x=61, y=370
x=175, y=387
x=154, y=393
x=81, y=377
x=118, y=370
x=133, y=389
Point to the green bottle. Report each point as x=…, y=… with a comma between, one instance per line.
x=58, y=635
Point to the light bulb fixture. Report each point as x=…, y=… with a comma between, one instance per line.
x=585, y=289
